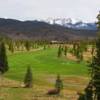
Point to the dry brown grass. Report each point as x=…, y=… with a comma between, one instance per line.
x=12, y=90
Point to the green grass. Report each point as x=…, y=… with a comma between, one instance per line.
x=43, y=62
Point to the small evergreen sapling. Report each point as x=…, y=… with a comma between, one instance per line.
x=59, y=51
x=65, y=50
x=11, y=47
x=28, y=81
x=27, y=45
x=59, y=84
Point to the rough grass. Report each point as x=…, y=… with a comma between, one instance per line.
x=72, y=85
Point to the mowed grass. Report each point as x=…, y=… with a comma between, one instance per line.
x=43, y=62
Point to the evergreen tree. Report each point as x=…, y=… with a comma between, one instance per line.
x=79, y=53
x=27, y=45
x=81, y=96
x=17, y=44
x=95, y=65
x=98, y=23
x=3, y=59
x=65, y=50
x=11, y=47
x=88, y=95
x=93, y=50
x=59, y=83
x=89, y=91
x=28, y=81
x=44, y=47
x=59, y=51
x=74, y=48
x=81, y=57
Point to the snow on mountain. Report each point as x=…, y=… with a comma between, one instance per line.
x=72, y=23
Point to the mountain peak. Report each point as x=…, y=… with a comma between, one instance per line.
x=72, y=23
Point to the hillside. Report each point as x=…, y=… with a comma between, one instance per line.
x=37, y=30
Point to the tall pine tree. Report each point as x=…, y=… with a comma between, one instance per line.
x=95, y=65
x=3, y=59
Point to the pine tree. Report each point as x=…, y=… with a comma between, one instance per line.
x=59, y=83
x=27, y=45
x=44, y=47
x=17, y=44
x=59, y=51
x=89, y=91
x=65, y=50
x=28, y=81
x=3, y=59
x=74, y=48
x=98, y=23
x=81, y=96
x=95, y=65
x=79, y=53
x=11, y=47
x=92, y=50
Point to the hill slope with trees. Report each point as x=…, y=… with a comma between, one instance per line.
x=37, y=30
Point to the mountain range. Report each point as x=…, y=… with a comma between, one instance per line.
x=72, y=23
x=44, y=30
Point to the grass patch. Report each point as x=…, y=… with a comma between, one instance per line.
x=43, y=62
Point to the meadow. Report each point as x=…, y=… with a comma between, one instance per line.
x=43, y=62
x=45, y=66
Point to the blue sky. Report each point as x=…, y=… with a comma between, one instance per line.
x=85, y=10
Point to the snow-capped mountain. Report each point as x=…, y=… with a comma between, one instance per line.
x=72, y=23
x=82, y=25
